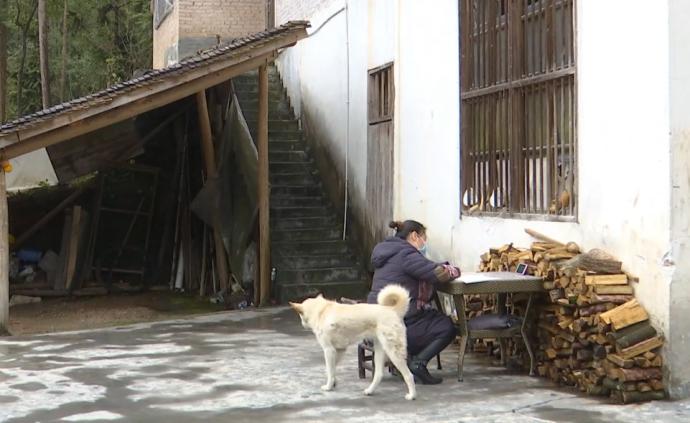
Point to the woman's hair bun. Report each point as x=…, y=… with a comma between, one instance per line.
x=395, y=225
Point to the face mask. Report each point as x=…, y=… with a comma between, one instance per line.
x=423, y=250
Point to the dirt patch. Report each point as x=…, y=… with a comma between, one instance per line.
x=62, y=314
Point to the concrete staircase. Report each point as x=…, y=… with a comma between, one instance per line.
x=306, y=235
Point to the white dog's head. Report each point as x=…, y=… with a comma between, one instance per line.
x=308, y=308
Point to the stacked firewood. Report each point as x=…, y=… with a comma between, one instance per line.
x=592, y=332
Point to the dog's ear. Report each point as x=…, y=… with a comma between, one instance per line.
x=297, y=307
x=320, y=295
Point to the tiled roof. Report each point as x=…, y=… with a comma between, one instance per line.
x=206, y=57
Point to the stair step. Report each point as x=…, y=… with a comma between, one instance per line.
x=301, y=248
x=325, y=275
x=334, y=290
x=247, y=93
x=296, y=190
x=312, y=261
x=278, y=134
x=294, y=201
x=251, y=108
x=277, y=125
x=295, y=156
x=302, y=222
x=307, y=234
x=291, y=167
x=297, y=211
x=275, y=146
x=292, y=178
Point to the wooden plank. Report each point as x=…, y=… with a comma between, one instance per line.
x=212, y=174
x=621, y=279
x=73, y=247
x=59, y=281
x=543, y=237
x=641, y=347
x=620, y=361
x=4, y=259
x=48, y=217
x=625, y=315
x=608, y=290
x=263, y=187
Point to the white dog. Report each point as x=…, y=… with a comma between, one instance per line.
x=337, y=326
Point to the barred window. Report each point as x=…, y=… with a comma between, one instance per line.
x=162, y=9
x=518, y=108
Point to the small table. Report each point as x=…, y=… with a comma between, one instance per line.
x=490, y=283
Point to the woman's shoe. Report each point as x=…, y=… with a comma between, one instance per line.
x=421, y=373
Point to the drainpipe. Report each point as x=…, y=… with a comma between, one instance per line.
x=347, y=118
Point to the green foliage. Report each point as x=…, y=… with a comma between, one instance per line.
x=108, y=40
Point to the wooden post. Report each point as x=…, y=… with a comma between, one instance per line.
x=212, y=173
x=263, y=188
x=4, y=260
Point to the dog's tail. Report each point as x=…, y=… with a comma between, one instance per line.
x=395, y=296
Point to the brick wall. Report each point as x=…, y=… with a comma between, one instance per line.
x=292, y=10
x=227, y=18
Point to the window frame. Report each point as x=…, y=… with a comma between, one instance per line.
x=505, y=97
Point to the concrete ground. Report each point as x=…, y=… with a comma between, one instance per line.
x=261, y=366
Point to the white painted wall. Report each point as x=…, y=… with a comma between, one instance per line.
x=626, y=112
x=679, y=333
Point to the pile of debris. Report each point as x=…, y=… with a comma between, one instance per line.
x=592, y=332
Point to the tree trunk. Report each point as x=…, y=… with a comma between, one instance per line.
x=63, y=70
x=22, y=60
x=43, y=52
x=3, y=61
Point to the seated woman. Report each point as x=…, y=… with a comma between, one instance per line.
x=400, y=260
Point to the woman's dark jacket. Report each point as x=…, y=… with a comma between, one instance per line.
x=397, y=261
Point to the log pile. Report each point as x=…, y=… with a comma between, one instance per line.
x=593, y=334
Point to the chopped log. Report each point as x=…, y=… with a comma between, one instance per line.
x=625, y=315
x=617, y=386
x=656, y=384
x=641, y=347
x=590, y=263
x=632, y=335
x=558, y=255
x=584, y=354
x=599, y=352
x=556, y=294
x=605, y=298
x=620, y=361
x=632, y=397
x=620, y=279
x=636, y=374
x=642, y=362
x=595, y=309
x=657, y=361
x=613, y=290
x=650, y=355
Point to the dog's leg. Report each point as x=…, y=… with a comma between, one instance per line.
x=397, y=353
x=379, y=362
x=331, y=355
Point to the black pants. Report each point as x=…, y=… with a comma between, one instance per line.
x=425, y=326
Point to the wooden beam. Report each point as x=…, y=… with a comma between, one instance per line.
x=30, y=142
x=211, y=174
x=48, y=217
x=263, y=188
x=4, y=260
